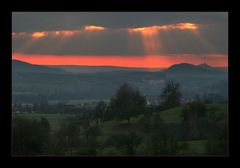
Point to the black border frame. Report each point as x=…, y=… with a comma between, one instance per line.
x=6, y=72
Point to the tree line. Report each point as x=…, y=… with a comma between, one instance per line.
x=81, y=135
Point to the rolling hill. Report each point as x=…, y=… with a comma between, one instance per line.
x=96, y=69
x=186, y=70
x=23, y=67
x=172, y=118
x=31, y=81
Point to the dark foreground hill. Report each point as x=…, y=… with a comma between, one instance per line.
x=168, y=123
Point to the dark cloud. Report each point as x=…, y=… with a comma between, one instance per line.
x=41, y=21
x=111, y=42
x=117, y=41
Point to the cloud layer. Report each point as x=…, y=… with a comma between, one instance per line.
x=120, y=33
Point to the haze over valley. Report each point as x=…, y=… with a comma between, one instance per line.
x=94, y=83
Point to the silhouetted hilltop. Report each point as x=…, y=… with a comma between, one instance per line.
x=99, y=83
x=185, y=69
x=20, y=66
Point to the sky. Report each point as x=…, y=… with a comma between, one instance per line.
x=128, y=39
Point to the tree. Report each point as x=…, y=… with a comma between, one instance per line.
x=67, y=137
x=30, y=137
x=89, y=143
x=125, y=143
x=217, y=143
x=145, y=122
x=192, y=113
x=100, y=112
x=46, y=133
x=216, y=132
x=126, y=103
x=161, y=139
x=171, y=95
x=163, y=144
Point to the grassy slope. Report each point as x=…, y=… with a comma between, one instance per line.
x=54, y=119
x=168, y=116
x=112, y=127
x=174, y=115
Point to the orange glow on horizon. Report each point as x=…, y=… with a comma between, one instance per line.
x=19, y=34
x=187, y=26
x=151, y=61
x=39, y=34
x=181, y=26
x=92, y=27
x=65, y=33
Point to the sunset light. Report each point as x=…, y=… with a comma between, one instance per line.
x=150, y=61
x=65, y=33
x=150, y=39
x=155, y=52
x=98, y=84
x=150, y=35
x=181, y=26
x=91, y=28
x=187, y=26
x=39, y=34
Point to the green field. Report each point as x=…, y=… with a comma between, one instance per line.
x=77, y=101
x=172, y=116
x=54, y=119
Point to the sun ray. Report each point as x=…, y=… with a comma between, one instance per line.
x=25, y=46
x=210, y=48
x=151, y=35
x=204, y=41
x=150, y=39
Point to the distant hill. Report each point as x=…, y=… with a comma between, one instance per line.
x=185, y=69
x=31, y=82
x=96, y=69
x=20, y=66
x=206, y=66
